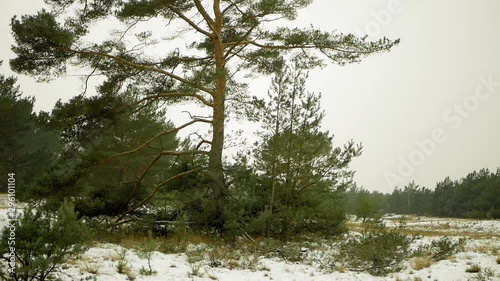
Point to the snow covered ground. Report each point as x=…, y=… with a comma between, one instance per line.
x=482, y=248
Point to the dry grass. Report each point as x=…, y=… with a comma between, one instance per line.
x=419, y=263
x=495, y=250
x=178, y=243
x=484, y=249
x=473, y=268
x=465, y=234
x=432, y=231
x=398, y=278
x=128, y=272
x=90, y=267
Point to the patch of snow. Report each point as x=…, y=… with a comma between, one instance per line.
x=102, y=260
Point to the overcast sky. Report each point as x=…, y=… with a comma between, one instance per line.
x=426, y=110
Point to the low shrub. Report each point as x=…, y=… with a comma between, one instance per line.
x=43, y=242
x=377, y=251
x=445, y=247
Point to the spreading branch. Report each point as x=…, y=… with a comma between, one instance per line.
x=176, y=95
x=144, y=145
x=301, y=46
x=140, y=67
x=153, y=162
x=154, y=191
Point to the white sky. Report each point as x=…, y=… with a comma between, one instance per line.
x=389, y=101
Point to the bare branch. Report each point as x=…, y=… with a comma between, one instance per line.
x=134, y=23
x=190, y=22
x=176, y=95
x=291, y=47
x=233, y=4
x=203, y=140
x=194, y=116
x=86, y=83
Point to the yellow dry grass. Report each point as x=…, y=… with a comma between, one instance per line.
x=419, y=263
x=431, y=231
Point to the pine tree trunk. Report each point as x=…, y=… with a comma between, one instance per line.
x=215, y=169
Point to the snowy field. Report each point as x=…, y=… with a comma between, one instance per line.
x=481, y=250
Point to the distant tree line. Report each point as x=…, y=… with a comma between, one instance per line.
x=477, y=195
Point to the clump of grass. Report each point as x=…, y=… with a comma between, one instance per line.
x=419, y=263
x=473, y=268
x=128, y=272
x=485, y=274
x=250, y=262
x=179, y=243
x=120, y=258
x=494, y=251
x=292, y=253
x=89, y=267
x=219, y=255
x=122, y=265
x=233, y=264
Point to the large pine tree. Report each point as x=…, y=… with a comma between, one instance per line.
x=175, y=50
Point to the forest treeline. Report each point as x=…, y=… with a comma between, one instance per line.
x=477, y=195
